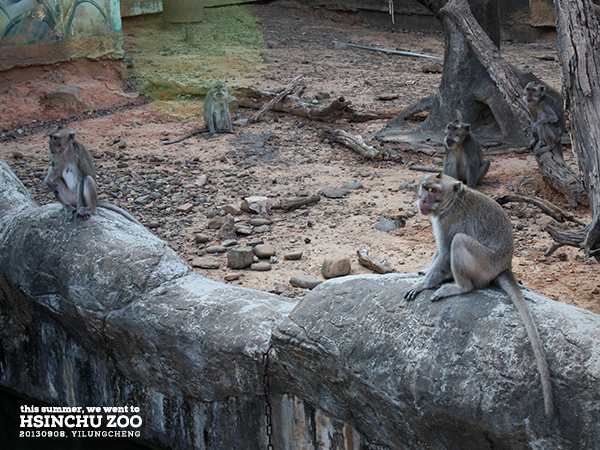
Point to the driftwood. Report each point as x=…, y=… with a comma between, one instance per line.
x=353, y=142
x=554, y=170
x=376, y=265
x=288, y=204
x=573, y=239
x=269, y=105
x=338, y=109
x=548, y=208
x=263, y=205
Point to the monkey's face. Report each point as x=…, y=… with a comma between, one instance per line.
x=436, y=193
x=429, y=198
x=533, y=92
x=219, y=91
x=56, y=143
x=455, y=134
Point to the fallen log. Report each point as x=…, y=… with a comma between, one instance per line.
x=338, y=109
x=546, y=207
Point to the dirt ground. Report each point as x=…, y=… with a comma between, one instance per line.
x=266, y=46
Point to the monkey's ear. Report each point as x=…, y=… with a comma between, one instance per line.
x=542, y=88
x=467, y=127
x=457, y=186
x=71, y=135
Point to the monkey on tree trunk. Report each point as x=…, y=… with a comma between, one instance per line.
x=547, y=129
x=217, y=118
x=72, y=177
x=463, y=159
x=474, y=242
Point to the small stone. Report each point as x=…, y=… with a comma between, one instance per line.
x=232, y=277
x=336, y=266
x=234, y=210
x=322, y=96
x=264, y=251
x=261, y=266
x=229, y=243
x=206, y=262
x=276, y=288
x=244, y=231
x=227, y=230
x=258, y=221
x=216, y=249
x=215, y=223
x=256, y=241
x=434, y=67
x=292, y=256
x=201, y=238
x=386, y=96
x=386, y=225
x=273, y=259
x=153, y=224
x=353, y=186
x=334, y=192
x=262, y=229
x=186, y=207
x=305, y=281
x=240, y=257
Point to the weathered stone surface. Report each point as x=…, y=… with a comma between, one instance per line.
x=458, y=373
x=334, y=192
x=336, y=266
x=240, y=257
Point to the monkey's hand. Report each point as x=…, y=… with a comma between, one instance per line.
x=412, y=293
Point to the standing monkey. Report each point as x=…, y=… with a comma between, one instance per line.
x=474, y=242
x=547, y=129
x=463, y=159
x=72, y=177
x=217, y=118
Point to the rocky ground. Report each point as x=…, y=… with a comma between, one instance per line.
x=183, y=192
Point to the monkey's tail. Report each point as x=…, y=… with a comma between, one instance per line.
x=118, y=210
x=187, y=136
x=508, y=283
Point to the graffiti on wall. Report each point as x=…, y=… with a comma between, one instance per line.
x=33, y=21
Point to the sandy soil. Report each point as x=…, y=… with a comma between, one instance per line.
x=282, y=156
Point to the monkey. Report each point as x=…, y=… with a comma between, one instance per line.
x=217, y=118
x=72, y=177
x=463, y=159
x=474, y=240
x=547, y=129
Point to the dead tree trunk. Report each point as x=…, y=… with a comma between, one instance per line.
x=466, y=87
x=509, y=81
x=578, y=31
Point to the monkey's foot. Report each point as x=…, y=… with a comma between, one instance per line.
x=448, y=290
x=412, y=293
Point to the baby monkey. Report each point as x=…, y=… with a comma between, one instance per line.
x=463, y=159
x=547, y=129
x=72, y=177
x=474, y=242
x=217, y=118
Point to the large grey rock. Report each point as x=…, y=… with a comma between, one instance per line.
x=458, y=373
